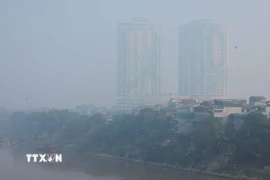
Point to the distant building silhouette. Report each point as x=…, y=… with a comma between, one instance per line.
x=203, y=55
x=138, y=66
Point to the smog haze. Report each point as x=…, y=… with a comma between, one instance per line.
x=64, y=53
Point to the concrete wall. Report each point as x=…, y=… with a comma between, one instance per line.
x=226, y=111
x=218, y=112
x=267, y=111
x=232, y=110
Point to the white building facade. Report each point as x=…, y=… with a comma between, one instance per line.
x=139, y=58
x=203, y=56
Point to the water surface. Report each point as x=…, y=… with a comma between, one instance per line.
x=13, y=166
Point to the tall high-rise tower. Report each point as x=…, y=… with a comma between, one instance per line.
x=138, y=66
x=203, y=55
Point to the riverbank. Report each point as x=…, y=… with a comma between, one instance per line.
x=197, y=171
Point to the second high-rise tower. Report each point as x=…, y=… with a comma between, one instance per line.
x=203, y=56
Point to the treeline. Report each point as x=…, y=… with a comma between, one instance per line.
x=149, y=136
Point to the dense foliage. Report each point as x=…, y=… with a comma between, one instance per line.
x=149, y=136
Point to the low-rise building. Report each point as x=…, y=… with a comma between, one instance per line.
x=257, y=101
x=202, y=109
x=175, y=103
x=185, y=108
x=223, y=108
x=230, y=102
x=218, y=112
x=249, y=109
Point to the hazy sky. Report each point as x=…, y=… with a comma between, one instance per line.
x=63, y=52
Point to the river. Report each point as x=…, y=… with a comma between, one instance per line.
x=13, y=166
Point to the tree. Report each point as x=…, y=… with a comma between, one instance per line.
x=253, y=139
